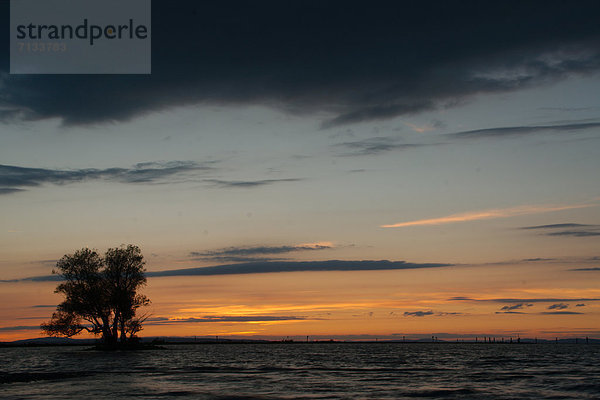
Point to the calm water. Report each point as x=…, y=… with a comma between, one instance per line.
x=306, y=371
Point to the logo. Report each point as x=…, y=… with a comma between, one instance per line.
x=80, y=37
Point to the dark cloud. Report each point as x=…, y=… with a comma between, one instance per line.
x=376, y=145
x=558, y=306
x=226, y=318
x=43, y=278
x=561, y=313
x=44, y=306
x=45, y=262
x=516, y=307
x=430, y=312
x=6, y=190
x=580, y=305
x=382, y=144
x=382, y=111
x=246, y=254
x=559, y=260
x=271, y=267
x=574, y=233
x=237, y=259
x=245, y=251
x=567, y=109
x=418, y=313
x=510, y=300
x=157, y=319
x=13, y=178
x=522, y=130
x=556, y=226
x=20, y=328
x=295, y=266
x=355, y=61
x=248, y=184
x=569, y=229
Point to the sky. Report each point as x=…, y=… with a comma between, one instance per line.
x=347, y=170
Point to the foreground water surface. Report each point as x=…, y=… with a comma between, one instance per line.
x=306, y=371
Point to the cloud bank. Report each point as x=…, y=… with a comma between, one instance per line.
x=342, y=59
x=295, y=266
x=260, y=267
x=14, y=179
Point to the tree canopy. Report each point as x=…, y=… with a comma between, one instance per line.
x=101, y=294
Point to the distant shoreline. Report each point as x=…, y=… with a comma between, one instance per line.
x=91, y=342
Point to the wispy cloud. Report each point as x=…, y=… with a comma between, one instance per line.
x=382, y=111
x=430, y=312
x=245, y=253
x=9, y=190
x=488, y=214
x=418, y=313
x=574, y=233
x=561, y=313
x=248, y=184
x=568, y=109
x=522, y=130
x=526, y=300
x=555, y=226
x=13, y=179
x=567, y=229
x=426, y=127
x=516, y=307
x=224, y=318
x=558, y=306
x=376, y=145
x=20, y=328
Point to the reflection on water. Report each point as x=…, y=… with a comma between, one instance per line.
x=306, y=370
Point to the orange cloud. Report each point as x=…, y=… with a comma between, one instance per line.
x=419, y=129
x=487, y=214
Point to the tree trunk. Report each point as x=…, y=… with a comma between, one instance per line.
x=123, y=335
x=107, y=337
x=115, y=326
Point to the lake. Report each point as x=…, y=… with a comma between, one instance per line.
x=306, y=371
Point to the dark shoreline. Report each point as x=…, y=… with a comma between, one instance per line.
x=158, y=345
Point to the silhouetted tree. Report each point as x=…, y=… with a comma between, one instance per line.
x=101, y=294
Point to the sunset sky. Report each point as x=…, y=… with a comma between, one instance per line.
x=333, y=169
